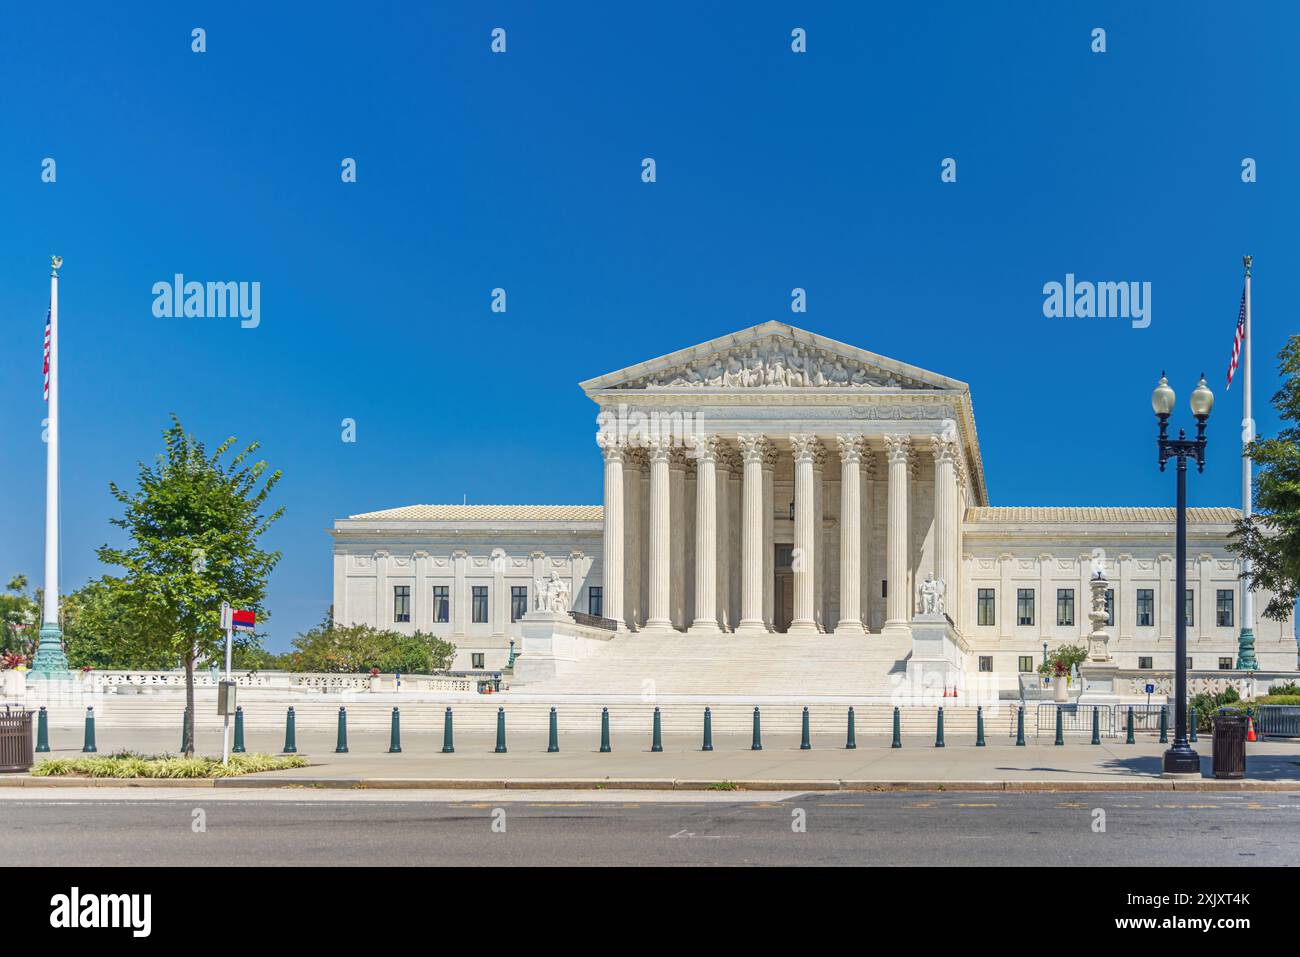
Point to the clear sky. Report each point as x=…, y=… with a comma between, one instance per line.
x=522, y=171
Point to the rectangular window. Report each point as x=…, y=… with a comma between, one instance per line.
x=480, y=605
x=1026, y=664
x=476, y=659
x=596, y=601
x=441, y=604
x=1225, y=664
x=986, y=663
x=1065, y=606
x=518, y=601
x=401, y=603
x=1110, y=606
x=1189, y=662
x=884, y=589
x=1024, y=606
x=1223, y=608
x=1144, y=663
x=987, y=601
x=1189, y=607
x=1146, y=607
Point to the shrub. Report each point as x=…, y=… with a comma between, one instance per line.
x=1206, y=703
x=1290, y=688
x=125, y=764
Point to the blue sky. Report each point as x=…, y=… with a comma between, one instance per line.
x=522, y=171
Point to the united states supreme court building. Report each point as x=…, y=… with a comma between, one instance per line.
x=784, y=503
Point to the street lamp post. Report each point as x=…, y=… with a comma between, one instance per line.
x=1180, y=758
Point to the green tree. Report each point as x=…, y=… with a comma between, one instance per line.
x=20, y=614
x=351, y=649
x=194, y=523
x=1270, y=538
x=99, y=630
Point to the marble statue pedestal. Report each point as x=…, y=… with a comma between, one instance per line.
x=938, y=654
x=1100, y=683
x=552, y=642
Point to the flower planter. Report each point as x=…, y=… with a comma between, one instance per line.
x=1060, y=688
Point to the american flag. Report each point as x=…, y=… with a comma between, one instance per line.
x=47, y=356
x=1237, y=338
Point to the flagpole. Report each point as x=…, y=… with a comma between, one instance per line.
x=49, y=659
x=1246, y=642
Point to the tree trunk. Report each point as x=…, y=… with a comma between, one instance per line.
x=189, y=704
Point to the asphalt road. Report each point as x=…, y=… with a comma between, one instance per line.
x=1211, y=830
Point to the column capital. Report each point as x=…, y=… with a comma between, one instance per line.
x=807, y=448
x=611, y=446
x=705, y=448
x=853, y=448
x=898, y=448
x=753, y=446
x=729, y=457
x=679, y=458
x=635, y=458
x=658, y=450
x=944, y=450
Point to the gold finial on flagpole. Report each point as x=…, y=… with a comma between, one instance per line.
x=55, y=263
x=1245, y=261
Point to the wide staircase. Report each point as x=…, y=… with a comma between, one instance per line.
x=729, y=665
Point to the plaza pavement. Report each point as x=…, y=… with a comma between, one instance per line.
x=682, y=766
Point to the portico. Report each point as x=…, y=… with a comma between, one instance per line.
x=775, y=481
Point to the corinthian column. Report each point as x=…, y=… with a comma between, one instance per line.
x=804, y=447
x=706, y=537
x=612, y=545
x=898, y=449
x=851, y=450
x=659, y=611
x=753, y=449
x=946, y=521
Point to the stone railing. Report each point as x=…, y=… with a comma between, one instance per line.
x=324, y=683
x=1248, y=684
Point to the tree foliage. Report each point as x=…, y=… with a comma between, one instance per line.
x=350, y=649
x=194, y=522
x=1270, y=539
x=20, y=614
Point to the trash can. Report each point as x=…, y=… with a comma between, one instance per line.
x=15, y=740
x=1229, y=744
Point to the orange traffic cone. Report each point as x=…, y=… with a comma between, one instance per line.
x=1250, y=729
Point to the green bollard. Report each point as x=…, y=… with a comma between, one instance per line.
x=1020, y=726
x=42, y=732
x=341, y=746
x=758, y=733
x=448, y=745
x=852, y=743
x=501, y=731
x=1164, y=724
x=804, y=743
x=1096, y=727
x=553, y=745
x=1191, y=724
x=395, y=735
x=708, y=730
x=89, y=746
x=239, y=730
x=979, y=727
x=185, y=729
x=898, y=736
x=1060, y=729
x=1128, y=739
x=290, y=735
x=657, y=734
x=938, y=731
x=604, y=731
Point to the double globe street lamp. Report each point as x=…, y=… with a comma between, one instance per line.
x=1180, y=758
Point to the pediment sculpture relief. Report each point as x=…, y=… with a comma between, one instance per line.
x=775, y=365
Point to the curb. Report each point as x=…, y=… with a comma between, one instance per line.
x=654, y=784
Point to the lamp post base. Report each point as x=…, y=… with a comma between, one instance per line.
x=49, y=658
x=1181, y=760
x=1246, y=651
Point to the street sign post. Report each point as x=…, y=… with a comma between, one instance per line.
x=232, y=620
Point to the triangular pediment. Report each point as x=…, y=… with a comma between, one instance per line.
x=772, y=356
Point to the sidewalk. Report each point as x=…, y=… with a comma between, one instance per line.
x=781, y=765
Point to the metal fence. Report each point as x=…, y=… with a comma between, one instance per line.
x=1076, y=719
x=1146, y=717
x=1279, y=720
